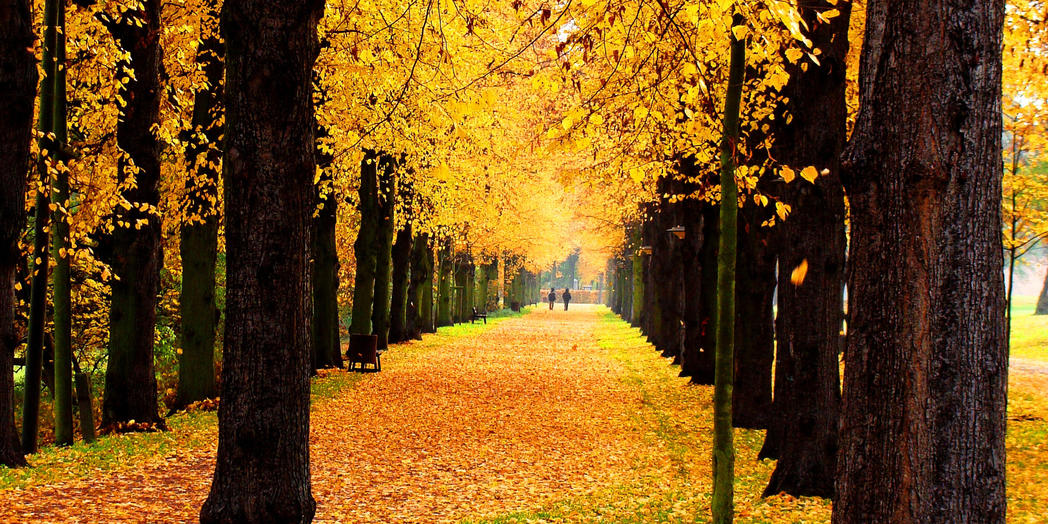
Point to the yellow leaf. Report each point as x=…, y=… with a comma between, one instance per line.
x=799, y=272
x=787, y=174
x=810, y=174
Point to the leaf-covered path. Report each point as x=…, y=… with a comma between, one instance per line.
x=555, y=416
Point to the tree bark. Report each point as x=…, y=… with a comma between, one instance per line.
x=420, y=317
x=198, y=245
x=387, y=199
x=41, y=219
x=428, y=324
x=17, y=87
x=444, y=284
x=61, y=286
x=923, y=426
x=398, y=309
x=262, y=468
x=364, y=248
x=754, y=321
x=136, y=258
x=327, y=344
x=807, y=394
x=697, y=356
x=723, y=504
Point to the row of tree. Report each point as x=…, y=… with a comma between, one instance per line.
x=919, y=433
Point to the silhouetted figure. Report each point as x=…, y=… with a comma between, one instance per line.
x=552, y=298
x=567, y=298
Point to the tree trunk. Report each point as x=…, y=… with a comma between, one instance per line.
x=398, y=308
x=419, y=316
x=130, y=384
x=387, y=199
x=364, y=248
x=426, y=308
x=327, y=344
x=807, y=398
x=923, y=426
x=198, y=245
x=723, y=445
x=754, y=321
x=701, y=241
x=17, y=87
x=61, y=288
x=444, y=285
x=637, y=310
x=41, y=219
x=1042, y=299
x=262, y=468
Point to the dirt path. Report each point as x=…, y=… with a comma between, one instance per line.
x=512, y=418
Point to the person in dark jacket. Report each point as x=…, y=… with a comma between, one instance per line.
x=567, y=298
x=552, y=298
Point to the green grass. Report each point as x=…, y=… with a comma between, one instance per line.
x=1029, y=332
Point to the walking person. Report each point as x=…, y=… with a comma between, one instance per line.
x=552, y=298
x=567, y=298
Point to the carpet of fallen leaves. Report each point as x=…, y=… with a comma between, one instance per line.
x=551, y=417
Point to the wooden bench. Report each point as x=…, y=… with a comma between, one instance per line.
x=364, y=351
x=478, y=315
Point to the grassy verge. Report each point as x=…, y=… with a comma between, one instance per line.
x=1029, y=332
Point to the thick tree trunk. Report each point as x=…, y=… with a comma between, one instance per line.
x=426, y=312
x=327, y=344
x=420, y=317
x=700, y=244
x=398, y=309
x=1042, y=299
x=667, y=274
x=807, y=394
x=198, y=244
x=387, y=200
x=923, y=426
x=444, y=284
x=130, y=385
x=754, y=321
x=17, y=87
x=262, y=469
x=364, y=248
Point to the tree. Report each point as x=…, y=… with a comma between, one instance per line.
x=387, y=199
x=135, y=246
x=398, y=328
x=60, y=289
x=17, y=88
x=365, y=246
x=41, y=218
x=923, y=425
x=444, y=283
x=262, y=469
x=811, y=247
x=198, y=237
x=724, y=321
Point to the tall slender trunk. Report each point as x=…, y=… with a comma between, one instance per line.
x=198, y=238
x=387, y=199
x=807, y=394
x=136, y=258
x=723, y=445
x=398, y=309
x=41, y=218
x=923, y=426
x=364, y=248
x=61, y=292
x=262, y=468
x=17, y=87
